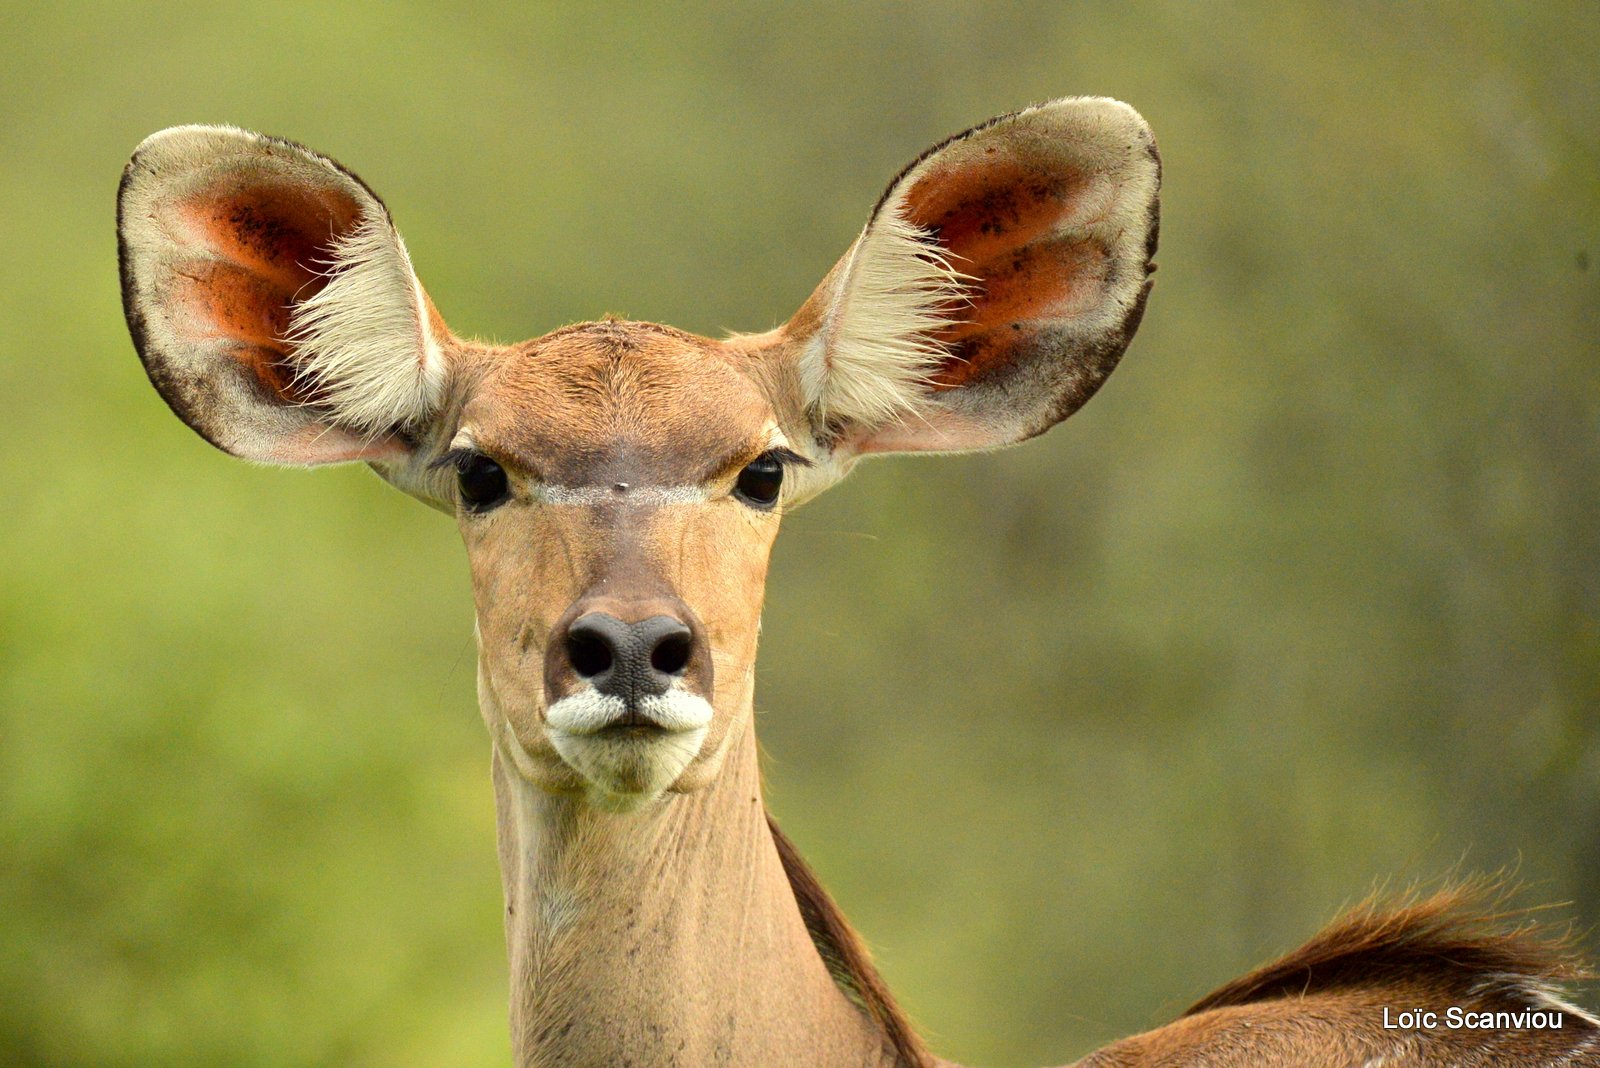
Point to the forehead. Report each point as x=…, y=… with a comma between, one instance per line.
x=614, y=400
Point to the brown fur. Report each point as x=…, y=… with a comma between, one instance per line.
x=1459, y=939
x=1324, y=1003
x=609, y=401
x=846, y=955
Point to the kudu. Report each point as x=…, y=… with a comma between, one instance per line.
x=618, y=486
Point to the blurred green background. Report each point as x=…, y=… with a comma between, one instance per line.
x=1307, y=598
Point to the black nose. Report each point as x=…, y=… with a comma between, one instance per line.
x=629, y=660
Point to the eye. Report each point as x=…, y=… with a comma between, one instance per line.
x=760, y=481
x=482, y=482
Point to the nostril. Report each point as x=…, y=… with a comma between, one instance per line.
x=628, y=660
x=671, y=654
x=590, y=655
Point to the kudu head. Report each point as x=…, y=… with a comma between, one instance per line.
x=618, y=484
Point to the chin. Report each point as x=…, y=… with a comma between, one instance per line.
x=625, y=768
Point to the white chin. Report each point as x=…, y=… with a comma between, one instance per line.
x=629, y=767
x=625, y=771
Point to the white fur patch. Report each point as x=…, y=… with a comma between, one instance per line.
x=624, y=772
x=549, y=493
x=589, y=711
x=871, y=360
x=364, y=340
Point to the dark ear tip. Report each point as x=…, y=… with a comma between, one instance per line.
x=1153, y=239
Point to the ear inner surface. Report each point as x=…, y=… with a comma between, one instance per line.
x=270, y=299
x=1027, y=224
x=1045, y=222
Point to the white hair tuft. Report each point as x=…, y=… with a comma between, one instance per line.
x=873, y=357
x=363, y=343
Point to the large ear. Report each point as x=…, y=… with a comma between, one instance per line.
x=272, y=301
x=996, y=285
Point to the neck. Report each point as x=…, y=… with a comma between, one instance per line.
x=666, y=936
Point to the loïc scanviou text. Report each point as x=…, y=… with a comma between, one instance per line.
x=1456, y=1018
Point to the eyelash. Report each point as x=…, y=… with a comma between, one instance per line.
x=787, y=457
x=455, y=459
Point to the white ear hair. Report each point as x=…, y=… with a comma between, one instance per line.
x=364, y=342
x=871, y=360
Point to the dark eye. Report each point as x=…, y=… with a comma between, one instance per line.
x=760, y=481
x=482, y=482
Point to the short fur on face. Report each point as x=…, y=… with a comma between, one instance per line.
x=622, y=444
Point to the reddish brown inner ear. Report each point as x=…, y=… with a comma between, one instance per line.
x=997, y=222
x=268, y=248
